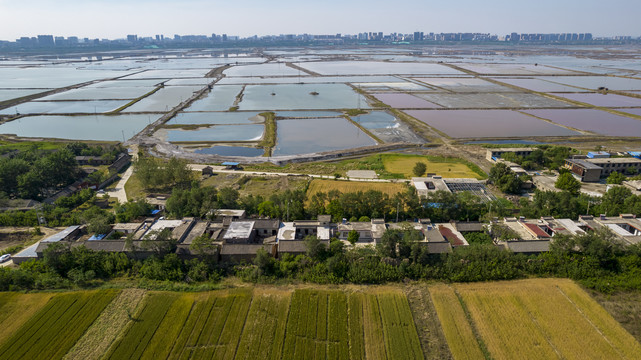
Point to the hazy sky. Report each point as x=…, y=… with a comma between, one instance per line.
x=117, y=18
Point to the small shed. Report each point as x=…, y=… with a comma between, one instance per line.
x=207, y=171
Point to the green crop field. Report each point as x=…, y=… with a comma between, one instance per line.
x=536, y=318
x=53, y=330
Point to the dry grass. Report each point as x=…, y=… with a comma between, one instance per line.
x=405, y=164
x=458, y=331
x=544, y=318
x=316, y=185
x=428, y=327
x=16, y=309
x=625, y=307
x=102, y=333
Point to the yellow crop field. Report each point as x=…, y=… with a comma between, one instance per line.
x=457, y=329
x=325, y=186
x=16, y=309
x=538, y=319
x=404, y=164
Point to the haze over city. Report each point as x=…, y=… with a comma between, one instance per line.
x=115, y=19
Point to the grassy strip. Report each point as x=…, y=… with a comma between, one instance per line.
x=363, y=129
x=456, y=326
x=184, y=126
x=388, y=159
x=269, y=137
x=429, y=329
x=133, y=101
x=103, y=332
x=355, y=326
x=138, y=335
x=468, y=317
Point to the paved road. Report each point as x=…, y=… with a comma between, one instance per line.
x=119, y=190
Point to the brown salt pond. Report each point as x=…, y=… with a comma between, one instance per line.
x=597, y=121
x=488, y=123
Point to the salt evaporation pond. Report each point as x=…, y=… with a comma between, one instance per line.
x=488, y=123
x=231, y=151
x=100, y=94
x=405, y=101
x=164, y=99
x=169, y=74
x=595, y=82
x=8, y=94
x=220, y=98
x=597, y=121
x=376, y=120
x=513, y=69
x=86, y=127
x=51, y=77
x=400, y=86
x=65, y=107
x=539, y=85
x=306, y=80
x=205, y=118
x=218, y=133
x=304, y=136
x=464, y=84
x=376, y=68
x=301, y=97
x=609, y=100
x=631, y=111
x=492, y=100
x=125, y=84
x=308, y=114
x=269, y=69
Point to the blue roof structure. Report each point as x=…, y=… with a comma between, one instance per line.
x=636, y=154
x=229, y=163
x=598, y=154
x=154, y=212
x=97, y=237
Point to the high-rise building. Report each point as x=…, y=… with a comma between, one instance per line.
x=132, y=38
x=45, y=40
x=418, y=36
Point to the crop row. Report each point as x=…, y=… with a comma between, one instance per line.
x=186, y=326
x=535, y=317
x=264, y=331
x=401, y=338
x=137, y=336
x=16, y=309
x=51, y=332
x=317, y=326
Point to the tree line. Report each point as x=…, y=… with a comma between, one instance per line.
x=594, y=259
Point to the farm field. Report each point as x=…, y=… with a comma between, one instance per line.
x=326, y=186
x=538, y=319
x=525, y=319
x=56, y=327
x=447, y=168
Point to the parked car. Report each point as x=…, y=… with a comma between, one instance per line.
x=5, y=257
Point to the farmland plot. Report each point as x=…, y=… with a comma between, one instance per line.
x=53, y=330
x=188, y=326
x=264, y=331
x=317, y=325
x=16, y=309
x=538, y=319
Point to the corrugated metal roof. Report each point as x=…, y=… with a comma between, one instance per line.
x=61, y=235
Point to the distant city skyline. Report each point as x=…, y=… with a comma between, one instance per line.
x=116, y=18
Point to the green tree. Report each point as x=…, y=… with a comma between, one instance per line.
x=615, y=178
x=203, y=245
x=353, y=237
x=315, y=247
x=566, y=181
x=505, y=179
x=419, y=169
